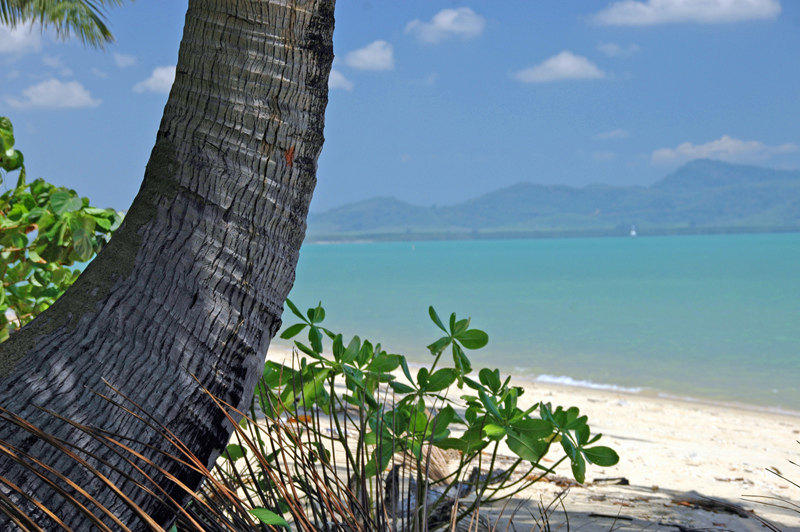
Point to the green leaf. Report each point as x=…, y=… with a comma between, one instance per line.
x=293, y=330
x=384, y=363
x=295, y=310
x=494, y=432
x=439, y=345
x=315, y=337
x=435, y=318
x=422, y=377
x=490, y=379
x=460, y=326
x=268, y=517
x=451, y=443
x=401, y=388
x=404, y=365
x=579, y=469
x=233, y=452
x=534, y=428
x=490, y=405
x=526, y=447
x=64, y=201
x=441, y=380
x=602, y=456
x=473, y=338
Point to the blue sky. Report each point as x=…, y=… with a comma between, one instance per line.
x=435, y=102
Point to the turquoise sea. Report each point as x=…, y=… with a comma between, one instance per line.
x=706, y=317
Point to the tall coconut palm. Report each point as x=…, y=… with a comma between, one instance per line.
x=85, y=18
x=190, y=290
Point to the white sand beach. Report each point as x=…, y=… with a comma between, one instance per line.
x=674, y=454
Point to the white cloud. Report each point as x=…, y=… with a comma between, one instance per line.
x=124, y=60
x=338, y=81
x=563, y=66
x=617, y=50
x=54, y=94
x=20, y=40
x=462, y=22
x=99, y=73
x=724, y=149
x=159, y=81
x=614, y=134
x=651, y=12
x=378, y=55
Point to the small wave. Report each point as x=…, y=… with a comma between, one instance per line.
x=569, y=381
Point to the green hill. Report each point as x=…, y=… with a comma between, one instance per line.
x=701, y=196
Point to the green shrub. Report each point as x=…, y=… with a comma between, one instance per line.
x=44, y=231
x=348, y=401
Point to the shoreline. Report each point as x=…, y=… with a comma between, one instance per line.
x=568, y=382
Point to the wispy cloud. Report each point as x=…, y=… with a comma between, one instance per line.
x=55, y=62
x=617, y=50
x=54, y=94
x=159, y=81
x=378, y=55
x=20, y=40
x=461, y=22
x=614, y=134
x=338, y=81
x=652, y=12
x=564, y=66
x=124, y=60
x=725, y=149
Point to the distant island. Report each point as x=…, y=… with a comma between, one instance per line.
x=703, y=196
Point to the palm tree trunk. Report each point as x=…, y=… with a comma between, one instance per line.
x=193, y=283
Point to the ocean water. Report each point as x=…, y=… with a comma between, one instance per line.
x=706, y=317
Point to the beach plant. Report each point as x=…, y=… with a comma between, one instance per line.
x=45, y=230
x=383, y=422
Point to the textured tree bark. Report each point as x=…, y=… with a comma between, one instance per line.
x=194, y=281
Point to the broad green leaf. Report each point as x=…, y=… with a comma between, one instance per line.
x=268, y=517
x=293, y=330
x=315, y=337
x=527, y=448
x=64, y=201
x=494, y=432
x=602, y=456
x=383, y=363
x=534, y=428
x=233, y=452
x=473, y=338
x=441, y=380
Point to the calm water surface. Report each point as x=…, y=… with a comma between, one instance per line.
x=710, y=317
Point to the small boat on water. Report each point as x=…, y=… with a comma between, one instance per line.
x=633, y=230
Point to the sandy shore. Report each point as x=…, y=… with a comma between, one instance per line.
x=672, y=451
x=675, y=457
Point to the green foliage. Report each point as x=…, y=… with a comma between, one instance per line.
x=44, y=230
x=354, y=385
x=85, y=18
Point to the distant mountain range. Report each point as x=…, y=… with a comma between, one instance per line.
x=702, y=196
